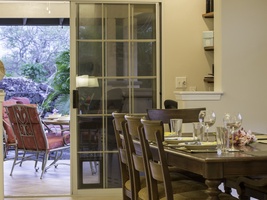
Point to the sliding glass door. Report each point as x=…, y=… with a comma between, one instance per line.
x=117, y=61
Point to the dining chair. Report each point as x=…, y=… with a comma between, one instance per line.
x=125, y=167
x=248, y=187
x=32, y=140
x=170, y=104
x=147, y=137
x=139, y=171
x=158, y=167
x=188, y=115
x=9, y=137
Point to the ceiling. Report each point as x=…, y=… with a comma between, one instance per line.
x=34, y=13
x=34, y=21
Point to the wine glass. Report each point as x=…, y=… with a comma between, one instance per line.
x=176, y=127
x=207, y=119
x=232, y=123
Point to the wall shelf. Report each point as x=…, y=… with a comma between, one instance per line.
x=197, y=95
x=208, y=15
x=209, y=79
x=209, y=48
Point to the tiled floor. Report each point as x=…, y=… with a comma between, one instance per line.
x=25, y=181
x=25, y=184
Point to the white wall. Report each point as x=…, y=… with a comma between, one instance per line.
x=34, y=9
x=241, y=58
x=183, y=53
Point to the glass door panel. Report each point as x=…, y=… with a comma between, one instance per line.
x=117, y=58
x=90, y=21
x=144, y=21
x=116, y=70
x=90, y=58
x=143, y=59
x=116, y=21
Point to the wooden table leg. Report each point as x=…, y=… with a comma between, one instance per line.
x=213, y=190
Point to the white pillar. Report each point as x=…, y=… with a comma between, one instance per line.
x=2, y=96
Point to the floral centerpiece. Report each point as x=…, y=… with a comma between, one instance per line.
x=242, y=137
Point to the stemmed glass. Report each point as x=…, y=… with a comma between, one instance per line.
x=207, y=119
x=232, y=123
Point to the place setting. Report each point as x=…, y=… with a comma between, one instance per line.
x=198, y=141
x=53, y=116
x=58, y=117
x=229, y=138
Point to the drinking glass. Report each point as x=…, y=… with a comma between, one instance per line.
x=176, y=127
x=232, y=123
x=198, y=131
x=221, y=138
x=207, y=119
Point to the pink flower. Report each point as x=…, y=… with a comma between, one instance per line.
x=241, y=137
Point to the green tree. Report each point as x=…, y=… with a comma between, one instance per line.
x=61, y=85
x=32, y=45
x=35, y=72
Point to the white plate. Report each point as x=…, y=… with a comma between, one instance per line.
x=202, y=146
x=174, y=140
x=52, y=117
x=63, y=121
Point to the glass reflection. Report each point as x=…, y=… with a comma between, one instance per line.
x=90, y=58
x=117, y=58
x=116, y=21
x=90, y=22
x=113, y=171
x=144, y=59
x=90, y=133
x=144, y=22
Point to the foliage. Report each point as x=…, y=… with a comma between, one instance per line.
x=41, y=54
x=61, y=85
x=36, y=72
x=32, y=45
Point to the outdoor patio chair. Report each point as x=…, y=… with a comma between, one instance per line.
x=32, y=140
x=9, y=137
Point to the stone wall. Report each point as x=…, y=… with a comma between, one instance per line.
x=22, y=87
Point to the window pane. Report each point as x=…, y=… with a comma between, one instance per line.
x=90, y=99
x=117, y=58
x=144, y=22
x=116, y=21
x=115, y=95
x=111, y=144
x=90, y=58
x=113, y=171
x=89, y=133
x=144, y=96
x=144, y=59
x=90, y=168
x=89, y=21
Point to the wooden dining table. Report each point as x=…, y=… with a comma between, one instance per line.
x=250, y=160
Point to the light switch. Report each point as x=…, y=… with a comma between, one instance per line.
x=180, y=82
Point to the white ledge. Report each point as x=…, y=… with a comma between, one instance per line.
x=198, y=95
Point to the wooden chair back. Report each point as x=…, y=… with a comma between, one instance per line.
x=188, y=115
x=131, y=133
x=158, y=171
x=170, y=104
x=126, y=171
